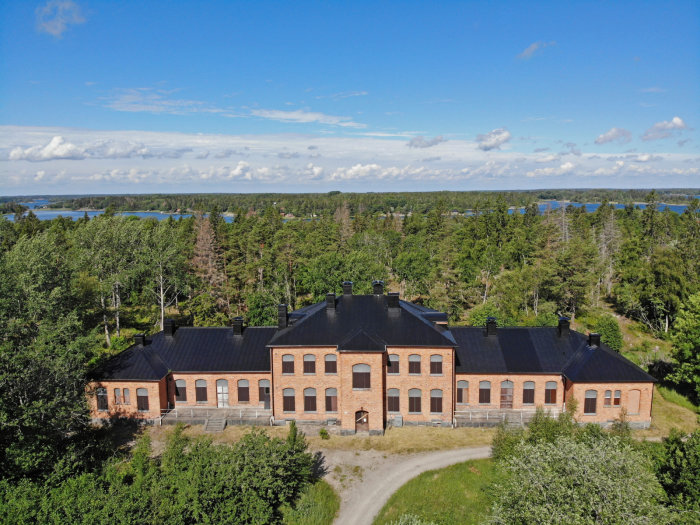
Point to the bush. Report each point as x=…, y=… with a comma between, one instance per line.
x=506, y=441
x=324, y=434
x=610, y=334
x=572, y=482
x=679, y=471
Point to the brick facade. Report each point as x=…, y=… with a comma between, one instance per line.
x=635, y=398
x=518, y=380
x=157, y=399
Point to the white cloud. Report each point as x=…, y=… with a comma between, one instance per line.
x=55, y=16
x=664, y=129
x=619, y=135
x=57, y=148
x=305, y=117
x=493, y=139
x=533, y=48
x=116, y=161
x=421, y=142
x=152, y=100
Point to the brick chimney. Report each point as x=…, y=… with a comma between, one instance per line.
x=378, y=287
x=169, y=327
x=140, y=339
x=392, y=300
x=347, y=287
x=563, y=327
x=491, y=326
x=238, y=326
x=282, y=316
x=593, y=339
x=330, y=301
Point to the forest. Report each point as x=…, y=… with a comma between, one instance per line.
x=73, y=293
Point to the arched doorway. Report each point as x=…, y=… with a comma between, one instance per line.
x=361, y=421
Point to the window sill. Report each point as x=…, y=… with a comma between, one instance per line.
x=415, y=413
x=309, y=373
x=331, y=373
x=394, y=413
x=310, y=412
x=288, y=412
x=464, y=404
x=202, y=402
x=362, y=389
x=591, y=414
x=287, y=373
x=436, y=413
x=437, y=375
x=331, y=411
x=414, y=374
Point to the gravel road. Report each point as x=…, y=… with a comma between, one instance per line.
x=377, y=477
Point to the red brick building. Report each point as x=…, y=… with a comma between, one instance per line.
x=367, y=361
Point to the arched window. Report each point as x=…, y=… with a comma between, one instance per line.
x=127, y=396
x=607, y=398
x=484, y=392
x=221, y=393
x=393, y=364
x=101, y=399
x=506, y=394
x=180, y=391
x=618, y=396
x=331, y=364
x=529, y=393
x=200, y=391
x=589, y=404
x=288, y=400
x=435, y=365
x=436, y=401
x=263, y=389
x=142, y=399
x=331, y=400
x=414, y=401
x=117, y=396
x=414, y=364
x=288, y=364
x=550, y=393
x=360, y=376
x=309, y=400
x=309, y=364
x=392, y=400
x=243, y=391
x=463, y=392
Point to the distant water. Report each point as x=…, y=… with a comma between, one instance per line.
x=47, y=215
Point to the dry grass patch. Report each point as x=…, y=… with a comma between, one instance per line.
x=406, y=440
x=666, y=415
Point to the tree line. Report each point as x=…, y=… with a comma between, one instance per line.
x=74, y=292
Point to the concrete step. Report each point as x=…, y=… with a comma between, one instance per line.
x=215, y=425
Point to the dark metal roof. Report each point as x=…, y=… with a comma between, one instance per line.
x=364, y=323
x=193, y=350
x=540, y=350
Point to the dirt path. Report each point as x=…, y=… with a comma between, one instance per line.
x=365, y=480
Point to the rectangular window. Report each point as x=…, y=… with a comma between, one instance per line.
x=436, y=368
x=331, y=403
x=393, y=365
x=360, y=380
x=127, y=397
x=607, y=398
x=484, y=396
x=436, y=405
x=414, y=367
x=101, y=399
x=288, y=404
x=309, y=367
x=287, y=364
x=414, y=405
x=117, y=396
x=201, y=394
x=309, y=403
x=392, y=403
x=550, y=396
x=243, y=394
x=618, y=395
x=142, y=400
x=528, y=396
x=589, y=405
x=331, y=367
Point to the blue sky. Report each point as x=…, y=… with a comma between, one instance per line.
x=126, y=97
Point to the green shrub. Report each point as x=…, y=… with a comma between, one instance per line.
x=324, y=434
x=610, y=334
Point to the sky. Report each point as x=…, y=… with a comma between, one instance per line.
x=142, y=97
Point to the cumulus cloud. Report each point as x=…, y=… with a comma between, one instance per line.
x=533, y=48
x=305, y=117
x=55, y=16
x=664, y=129
x=493, y=139
x=619, y=135
x=421, y=142
x=56, y=149
x=562, y=169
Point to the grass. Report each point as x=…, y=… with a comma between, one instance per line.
x=667, y=414
x=317, y=505
x=404, y=440
x=454, y=495
x=679, y=399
